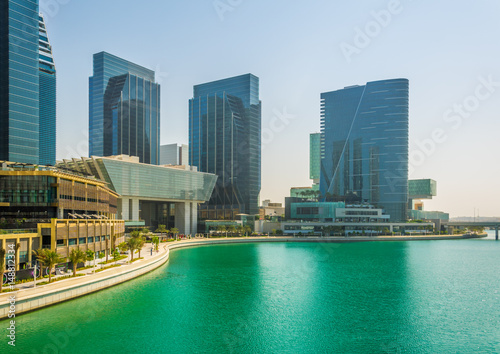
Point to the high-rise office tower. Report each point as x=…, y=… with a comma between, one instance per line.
x=225, y=139
x=314, y=157
x=47, y=71
x=124, y=110
x=27, y=85
x=364, y=145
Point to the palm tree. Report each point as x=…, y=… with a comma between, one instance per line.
x=49, y=259
x=140, y=244
x=231, y=229
x=161, y=229
x=175, y=231
x=130, y=245
x=115, y=255
x=89, y=255
x=2, y=266
x=222, y=228
x=248, y=229
x=240, y=229
x=156, y=242
x=139, y=240
x=77, y=256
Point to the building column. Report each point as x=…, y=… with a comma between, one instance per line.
x=30, y=240
x=194, y=218
x=134, y=213
x=182, y=218
x=123, y=208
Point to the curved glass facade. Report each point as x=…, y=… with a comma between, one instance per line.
x=124, y=110
x=47, y=72
x=364, y=144
x=225, y=139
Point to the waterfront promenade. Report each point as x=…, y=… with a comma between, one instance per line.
x=28, y=298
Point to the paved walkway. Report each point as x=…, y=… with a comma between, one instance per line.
x=146, y=253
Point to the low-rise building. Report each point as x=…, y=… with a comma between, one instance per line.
x=47, y=207
x=151, y=195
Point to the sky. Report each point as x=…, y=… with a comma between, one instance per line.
x=448, y=50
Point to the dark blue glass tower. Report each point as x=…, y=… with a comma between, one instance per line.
x=364, y=145
x=47, y=71
x=19, y=81
x=124, y=110
x=225, y=139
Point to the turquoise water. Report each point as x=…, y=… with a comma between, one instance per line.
x=379, y=297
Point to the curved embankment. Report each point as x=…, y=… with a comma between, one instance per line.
x=23, y=301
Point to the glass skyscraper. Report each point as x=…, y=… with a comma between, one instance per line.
x=27, y=95
x=124, y=110
x=314, y=156
x=225, y=139
x=47, y=71
x=364, y=145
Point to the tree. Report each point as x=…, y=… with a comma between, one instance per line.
x=161, y=229
x=240, y=229
x=140, y=244
x=76, y=256
x=89, y=255
x=2, y=267
x=139, y=240
x=130, y=245
x=156, y=242
x=231, y=229
x=175, y=231
x=222, y=228
x=49, y=259
x=248, y=229
x=116, y=255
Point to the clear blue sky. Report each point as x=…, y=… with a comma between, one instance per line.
x=298, y=50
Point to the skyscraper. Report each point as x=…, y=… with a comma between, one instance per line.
x=27, y=85
x=124, y=110
x=364, y=145
x=225, y=139
x=47, y=72
x=314, y=157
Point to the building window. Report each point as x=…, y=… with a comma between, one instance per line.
x=90, y=240
x=82, y=240
x=72, y=241
x=60, y=243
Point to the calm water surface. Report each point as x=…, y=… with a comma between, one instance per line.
x=380, y=297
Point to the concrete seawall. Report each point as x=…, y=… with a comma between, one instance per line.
x=64, y=290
